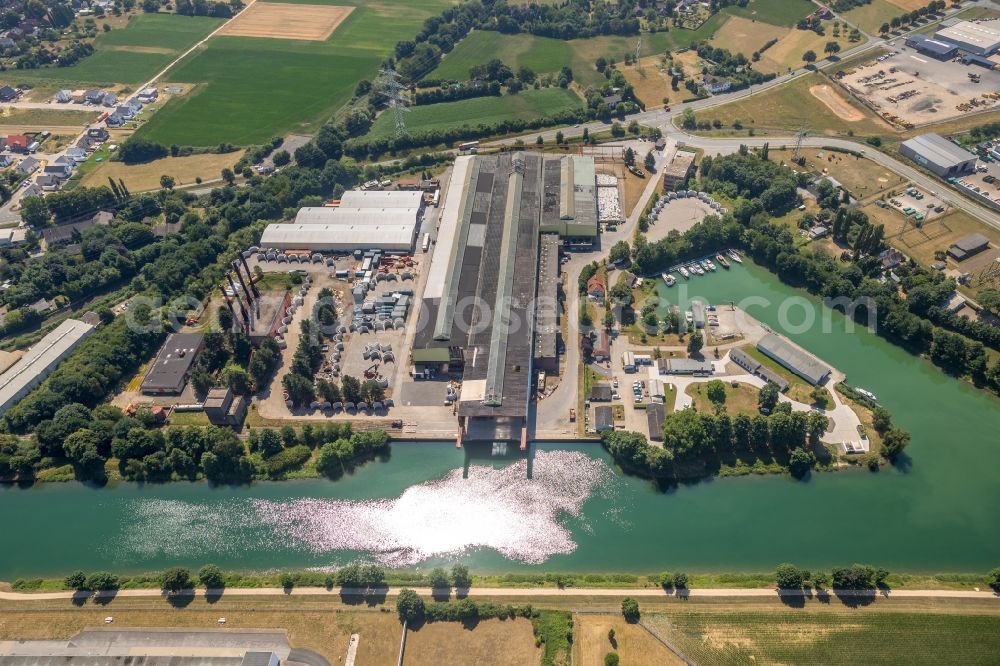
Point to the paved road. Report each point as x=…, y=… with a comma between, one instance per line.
x=528, y=592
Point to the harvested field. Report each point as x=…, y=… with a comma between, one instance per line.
x=499, y=642
x=651, y=84
x=184, y=170
x=836, y=103
x=909, y=5
x=787, y=53
x=285, y=21
x=742, y=35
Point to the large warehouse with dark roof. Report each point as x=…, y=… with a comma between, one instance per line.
x=938, y=154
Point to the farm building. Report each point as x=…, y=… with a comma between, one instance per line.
x=40, y=360
x=169, y=372
x=937, y=154
x=802, y=363
x=978, y=38
x=364, y=220
x=966, y=247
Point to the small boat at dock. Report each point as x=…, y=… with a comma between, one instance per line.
x=684, y=272
x=695, y=268
x=722, y=261
x=709, y=265
x=669, y=279
x=735, y=256
x=868, y=394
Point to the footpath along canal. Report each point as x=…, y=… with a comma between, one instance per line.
x=936, y=513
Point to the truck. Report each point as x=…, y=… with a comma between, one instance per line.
x=572, y=415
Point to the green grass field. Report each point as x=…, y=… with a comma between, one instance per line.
x=544, y=54
x=482, y=110
x=796, y=636
x=167, y=35
x=870, y=17
x=251, y=89
x=776, y=12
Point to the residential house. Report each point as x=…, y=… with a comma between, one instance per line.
x=93, y=96
x=61, y=167
x=41, y=306
x=31, y=190
x=134, y=104
x=99, y=133
x=716, y=85
x=125, y=111
x=28, y=166
x=109, y=99
x=49, y=181
x=77, y=154
x=8, y=94
x=18, y=143
x=64, y=96
x=596, y=288
x=602, y=350
x=147, y=95
x=114, y=120
x=612, y=100
x=891, y=258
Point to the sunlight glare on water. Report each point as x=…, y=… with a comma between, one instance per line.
x=497, y=508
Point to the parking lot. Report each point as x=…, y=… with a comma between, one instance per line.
x=910, y=88
x=914, y=203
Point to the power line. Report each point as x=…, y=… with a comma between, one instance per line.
x=391, y=89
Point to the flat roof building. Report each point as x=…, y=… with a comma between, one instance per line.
x=976, y=37
x=969, y=246
x=169, y=372
x=755, y=367
x=40, y=360
x=935, y=48
x=939, y=155
x=373, y=220
x=224, y=408
x=547, y=304
x=678, y=169
x=684, y=366
x=569, y=199
x=799, y=361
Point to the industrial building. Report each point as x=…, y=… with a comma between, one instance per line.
x=937, y=154
x=934, y=48
x=980, y=38
x=684, y=366
x=678, y=169
x=169, y=372
x=755, y=367
x=547, y=305
x=224, y=408
x=968, y=246
x=374, y=220
x=604, y=418
x=485, y=274
x=40, y=360
x=802, y=363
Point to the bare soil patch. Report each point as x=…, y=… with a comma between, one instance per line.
x=285, y=21
x=836, y=103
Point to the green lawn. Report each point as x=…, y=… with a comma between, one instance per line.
x=168, y=35
x=798, y=636
x=871, y=16
x=482, y=110
x=544, y=54
x=251, y=89
x=776, y=12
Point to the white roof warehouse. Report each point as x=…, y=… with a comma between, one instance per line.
x=40, y=360
x=364, y=220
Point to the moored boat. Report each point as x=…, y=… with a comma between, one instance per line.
x=709, y=265
x=735, y=256
x=697, y=269
x=722, y=261
x=669, y=279
x=684, y=272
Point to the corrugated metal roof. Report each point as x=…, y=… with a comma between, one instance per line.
x=357, y=216
x=333, y=236
x=937, y=149
x=798, y=361
x=380, y=199
x=985, y=35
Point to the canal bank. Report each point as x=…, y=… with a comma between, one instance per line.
x=578, y=513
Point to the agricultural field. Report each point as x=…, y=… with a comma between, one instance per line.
x=253, y=88
x=141, y=177
x=796, y=636
x=544, y=54
x=787, y=53
x=776, y=12
x=130, y=55
x=871, y=16
x=481, y=110
x=743, y=35
x=794, y=105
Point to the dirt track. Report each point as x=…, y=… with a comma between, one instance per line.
x=836, y=103
x=285, y=21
